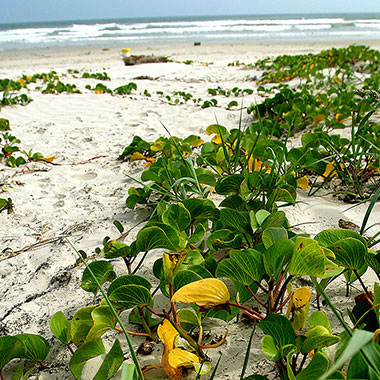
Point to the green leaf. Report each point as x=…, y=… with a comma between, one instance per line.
x=102, y=270
x=201, y=209
x=198, y=234
x=349, y=253
x=330, y=236
x=188, y=319
x=103, y=320
x=129, y=372
x=129, y=279
x=224, y=239
x=316, y=342
x=276, y=219
x=269, y=348
x=319, y=318
x=177, y=216
x=111, y=362
x=272, y=235
x=376, y=299
x=232, y=269
x=257, y=219
x=279, y=328
x=251, y=262
x=36, y=347
x=81, y=325
x=60, y=326
x=229, y=185
x=119, y=226
x=84, y=353
x=184, y=277
x=205, y=176
x=114, y=249
x=358, y=368
x=277, y=257
x=10, y=348
x=308, y=258
x=317, y=367
x=129, y=296
x=194, y=257
x=156, y=237
x=235, y=220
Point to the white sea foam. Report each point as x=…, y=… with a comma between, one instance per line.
x=162, y=31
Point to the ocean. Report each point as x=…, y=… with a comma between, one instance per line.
x=207, y=29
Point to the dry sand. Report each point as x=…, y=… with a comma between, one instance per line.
x=81, y=197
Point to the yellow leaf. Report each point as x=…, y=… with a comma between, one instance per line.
x=157, y=146
x=250, y=164
x=167, y=334
x=180, y=358
x=206, y=293
x=137, y=156
x=330, y=170
x=198, y=143
x=299, y=305
x=170, y=261
x=47, y=159
x=301, y=297
x=216, y=140
x=303, y=182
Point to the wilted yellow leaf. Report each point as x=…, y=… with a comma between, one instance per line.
x=206, y=293
x=136, y=156
x=216, y=140
x=180, y=358
x=303, y=182
x=301, y=297
x=173, y=358
x=329, y=168
x=299, y=305
x=167, y=334
x=47, y=159
x=157, y=146
x=257, y=166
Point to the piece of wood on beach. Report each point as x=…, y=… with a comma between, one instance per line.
x=139, y=59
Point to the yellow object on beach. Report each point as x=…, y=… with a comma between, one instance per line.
x=126, y=52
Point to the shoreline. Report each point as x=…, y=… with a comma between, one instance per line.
x=78, y=57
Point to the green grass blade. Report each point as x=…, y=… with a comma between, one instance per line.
x=369, y=210
x=213, y=373
x=246, y=359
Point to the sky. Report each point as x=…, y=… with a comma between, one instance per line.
x=54, y=10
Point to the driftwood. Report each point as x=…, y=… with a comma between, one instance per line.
x=139, y=59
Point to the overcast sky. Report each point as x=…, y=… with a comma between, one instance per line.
x=51, y=10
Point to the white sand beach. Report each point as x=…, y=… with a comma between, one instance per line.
x=83, y=191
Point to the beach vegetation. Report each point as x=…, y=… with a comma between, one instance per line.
x=99, y=89
x=31, y=347
x=125, y=89
x=59, y=87
x=224, y=246
x=98, y=76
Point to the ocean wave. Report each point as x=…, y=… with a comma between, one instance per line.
x=161, y=31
